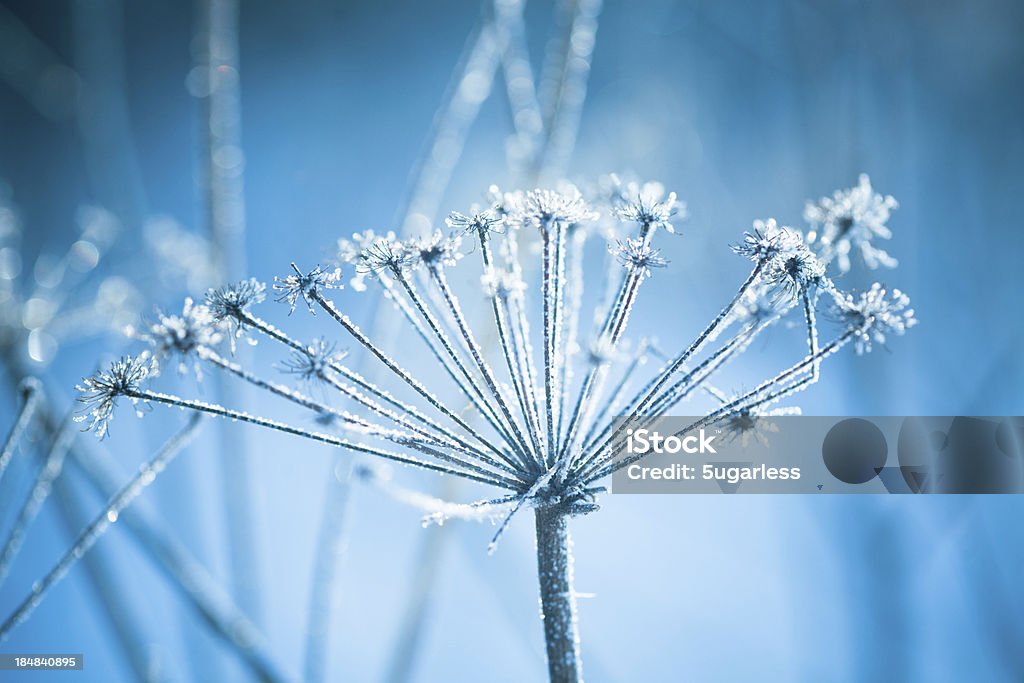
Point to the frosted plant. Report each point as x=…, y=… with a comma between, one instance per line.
x=851, y=220
x=542, y=435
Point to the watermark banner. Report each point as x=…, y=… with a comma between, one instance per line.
x=821, y=455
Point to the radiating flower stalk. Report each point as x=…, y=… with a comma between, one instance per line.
x=547, y=434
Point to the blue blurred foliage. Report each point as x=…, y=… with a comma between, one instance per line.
x=746, y=109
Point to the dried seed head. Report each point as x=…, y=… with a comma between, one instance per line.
x=385, y=253
x=637, y=255
x=313, y=361
x=754, y=424
x=231, y=302
x=306, y=286
x=542, y=208
x=875, y=314
x=794, y=274
x=481, y=223
x=434, y=251
x=768, y=241
x=99, y=393
x=650, y=208
x=351, y=251
x=181, y=336
x=851, y=220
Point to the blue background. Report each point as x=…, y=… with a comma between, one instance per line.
x=746, y=109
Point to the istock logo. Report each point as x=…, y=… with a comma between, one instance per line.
x=650, y=441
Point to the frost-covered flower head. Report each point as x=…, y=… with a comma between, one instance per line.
x=850, y=220
x=385, y=253
x=229, y=304
x=350, y=251
x=543, y=208
x=477, y=222
x=650, y=207
x=313, y=361
x=875, y=314
x=434, y=251
x=533, y=414
x=755, y=424
x=99, y=393
x=630, y=200
x=637, y=255
x=796, y=274
x=768, y=241
x=182, y=335
x=304, y=286
x=788, y=265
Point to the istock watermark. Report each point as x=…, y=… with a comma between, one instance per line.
x=818, y=455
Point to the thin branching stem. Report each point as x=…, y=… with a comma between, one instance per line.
x=397, y=370
x=88, y=537
x=402, y=407
x=753, y=398
x=49, y=470
x=399, y=438
x=585, y=466
x=476, y=395
x=221, y=411
x=615, y=396
x=514, y=353
x=187, y=577
x=492, y=384
x=332, y=544
x=644, y=398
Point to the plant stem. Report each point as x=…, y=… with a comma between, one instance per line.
x=30, y=392
x=557, y=599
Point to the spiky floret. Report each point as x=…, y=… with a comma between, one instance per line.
x=794, y=274
x=874, y=315
x=434, y=250
x=650, y=208
x=851, y=220
x=786, y=264
x=303, y=286
x=313, y=361
x=768, y=241
x=637, y=255
x=98, y=394
x=754, y=424
x=351, y=250
x=182, y=335
x=385, y=253
x=477, y=222
x=541, y=208
x=230, y=303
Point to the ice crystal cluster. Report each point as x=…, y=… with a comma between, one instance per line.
x=539, y=424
